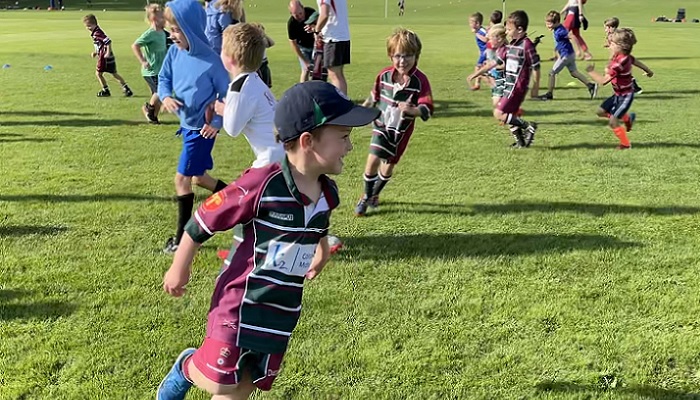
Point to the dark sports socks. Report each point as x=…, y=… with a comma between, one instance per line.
x=220, y=185
x=370, y=181
x=185, y=204
x=379, y=186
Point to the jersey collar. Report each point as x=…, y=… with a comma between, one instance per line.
x=327, y=187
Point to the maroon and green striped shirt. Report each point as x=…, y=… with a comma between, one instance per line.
x=257, y=300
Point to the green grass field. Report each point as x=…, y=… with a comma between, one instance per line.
x=566, y=271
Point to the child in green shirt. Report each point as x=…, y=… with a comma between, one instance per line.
x=150, y=49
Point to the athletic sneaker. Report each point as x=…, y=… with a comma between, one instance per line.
x=519, y=139
x=629, y=123
x=104, y=93
x=175, y=386
x=593, y=90
x=170, y=246
x=637, y=88
x=622, y=147
x=334, y=243
x=545, y=97
x=529, y=133
x=149, y=113
x=127, y=91
x=361, y=207
x=373, y=202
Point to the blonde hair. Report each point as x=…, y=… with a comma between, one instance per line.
x=268, y=40
x=90, y=19
x=553, y=17
x=152, y=9
x=498, y=31
x=170, y=17
x=245, y=43
x=613, y=22
x=403, y=40
x=235, y=7
x=624, y=38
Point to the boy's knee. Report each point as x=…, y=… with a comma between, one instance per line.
x=182, y=180
x=498, y=114
x=197, y=180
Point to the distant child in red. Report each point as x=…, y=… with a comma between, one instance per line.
x=105, y=57
x=619, y=74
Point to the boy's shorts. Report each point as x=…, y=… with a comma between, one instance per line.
x=497, y=89
x=108, y=65
x=618, y=106
x=511, y=105
x=387, y=147
x=336, y=54
x=195, y=158
x=481, y=60
x=152, y=82
x=224, y=363
x=566, y=61
x=308, y=56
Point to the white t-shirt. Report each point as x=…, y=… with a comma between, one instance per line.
x=337, y=28
x=250, y=109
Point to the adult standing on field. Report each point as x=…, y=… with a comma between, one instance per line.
x=333, y=29
x=300, y=39
x=573, y=21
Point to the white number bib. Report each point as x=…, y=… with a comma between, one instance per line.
x=511, y=65
x=289, y=258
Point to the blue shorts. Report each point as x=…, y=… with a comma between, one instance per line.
x=481, y=60
x=195, y=158
x=618, y=106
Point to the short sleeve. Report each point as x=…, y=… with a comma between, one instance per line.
x=425, y=98
x=235, y=204
x=145, y=39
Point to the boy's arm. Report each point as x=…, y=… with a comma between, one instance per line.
x=237, y=113
x=373, y=98
x=322, y=16
x=488, y=66
x=323, y=254
x=220, y=81
x=223, y=210
x=648, y=72
x=424, y=108
x=598, y=78
x=108, y=50
x=165, y=86
x=136, y=48
x=481, y=37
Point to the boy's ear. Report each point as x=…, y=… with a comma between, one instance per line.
x=306, y=140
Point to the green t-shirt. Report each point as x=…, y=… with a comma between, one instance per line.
x=154, y=50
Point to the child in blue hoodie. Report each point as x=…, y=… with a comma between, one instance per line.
x=221, y=14
x=191, y=79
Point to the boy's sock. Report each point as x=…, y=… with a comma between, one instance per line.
x=185, y=368
x=518, y=136
x=370, y=181
x=379, y=186
x=512, y=119
x=622, y=135
x=105, y=88
x=185, y=204
x=220, y=185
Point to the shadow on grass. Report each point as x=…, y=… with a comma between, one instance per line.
x=82, y=123
x=73, y=198
x=41, y=310
x=634, y=391
x=16, y=138
x=597, y=210
x=635, y=145
x=453, y=108
x=39, y=113
x=25, y=230
x=461, y=245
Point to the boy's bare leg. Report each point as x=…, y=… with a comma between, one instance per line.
x=205, y=181
x=183, y=184
x=337, y=78
x=581, y=77
x=155, y=103
x=101, y=79
x=119, y=78
x=241, y=391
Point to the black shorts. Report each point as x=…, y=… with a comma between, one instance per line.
x=336, y=54
x=617, y=106
x=152, y=82
x=265, y=73
x=108, y=65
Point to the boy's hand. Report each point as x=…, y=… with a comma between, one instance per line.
x=208, y=132
x=175, y=280
x=470, y=78
x=649, y=74
x=408, y=108
x=590, y=68
x=93, y=54
x=219, y=107
x=171, y=104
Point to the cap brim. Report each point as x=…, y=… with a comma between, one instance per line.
x=357, y=116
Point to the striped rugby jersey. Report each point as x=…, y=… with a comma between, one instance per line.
x=386, y=95
x=100, y=40
x=257, y=300
x=620, y=70
x=520, y=59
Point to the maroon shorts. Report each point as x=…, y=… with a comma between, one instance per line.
x=511, y=105
x=224, y=364
x=108, y=65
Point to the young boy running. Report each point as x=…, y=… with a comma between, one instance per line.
x=191, y=79
x=150, y=49
x=105, y=57
x=521, y=58
x=495, y=62
x=285, y=209
x=566, y=58
x=619, y=74
x=476, y=21
x=402, y=93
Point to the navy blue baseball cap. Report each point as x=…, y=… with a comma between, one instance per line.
x=306, y=106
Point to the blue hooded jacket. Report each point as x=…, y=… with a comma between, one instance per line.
x=217, y=21
x=196, y=77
